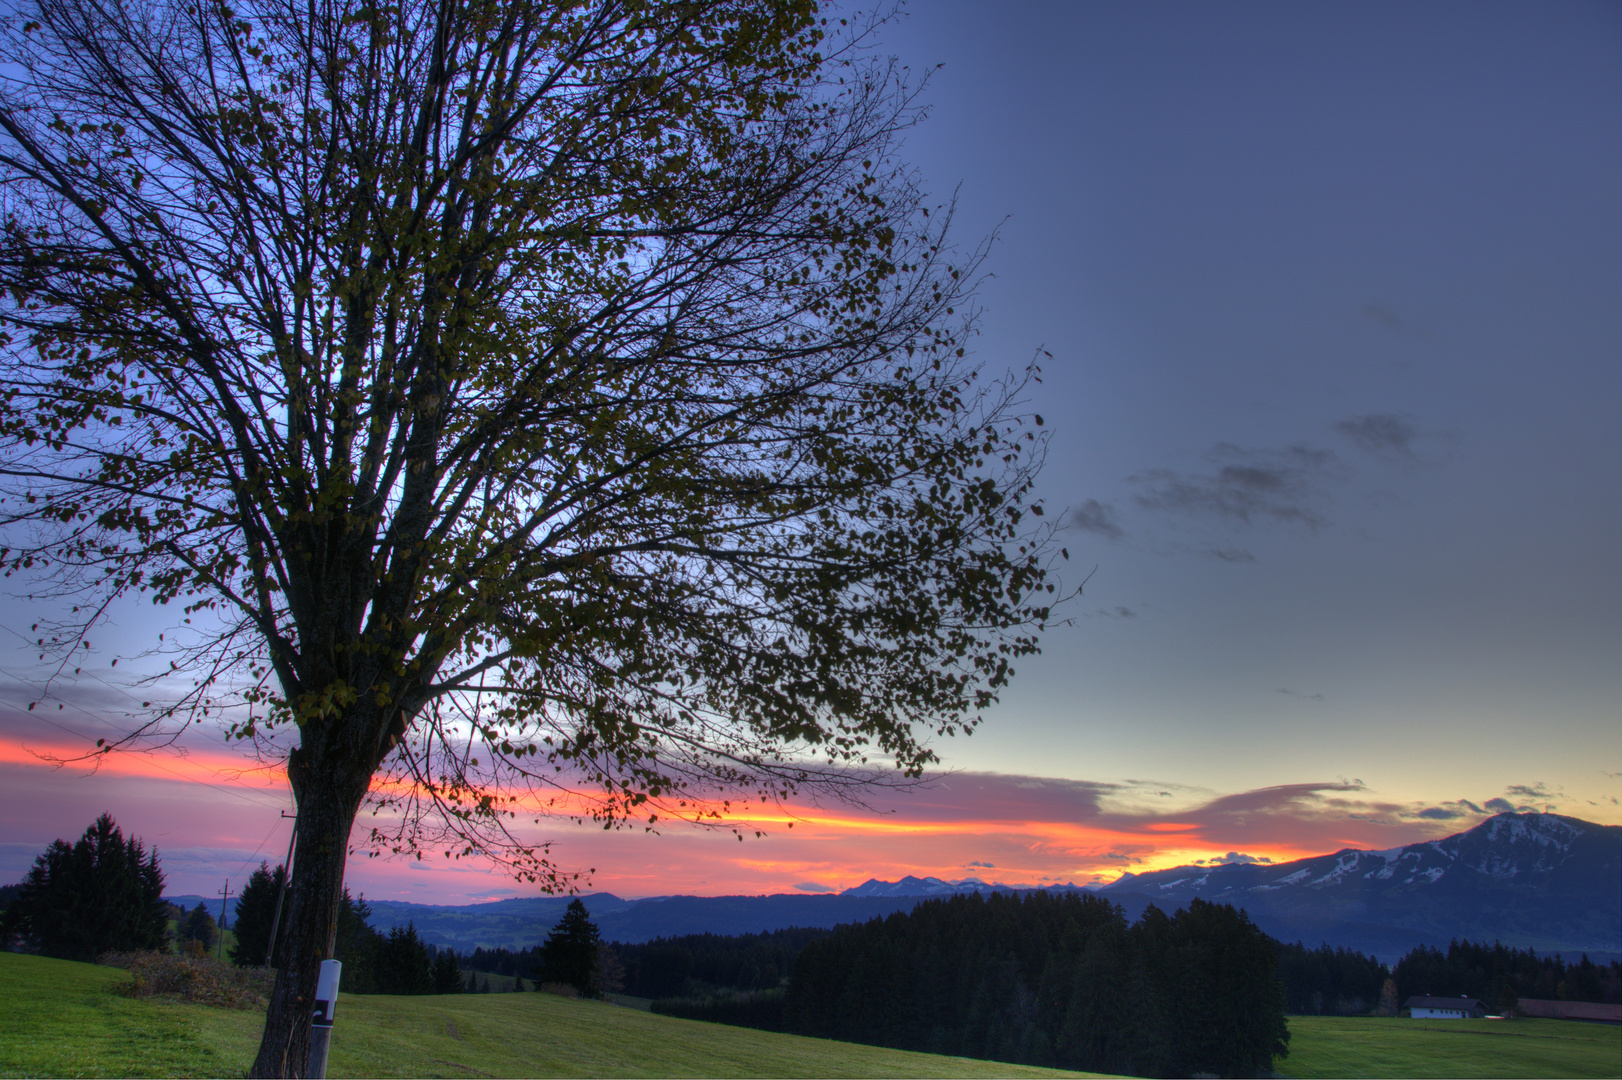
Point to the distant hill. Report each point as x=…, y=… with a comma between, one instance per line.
x=934, y=886
x=519, y=924
x=1540, y=881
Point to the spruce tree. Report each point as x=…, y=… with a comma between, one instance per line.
x=256, y=909
x=402, y=963
x=358, y=945
x=569, y=954
x=447, y=975
x=199, y=926
x=103, y=894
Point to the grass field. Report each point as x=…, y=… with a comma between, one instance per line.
x=64, y=1019
x=1359, y=1046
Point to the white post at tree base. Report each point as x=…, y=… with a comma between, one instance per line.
x=326, y=1003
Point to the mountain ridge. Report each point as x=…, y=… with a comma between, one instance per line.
x=1543, y=881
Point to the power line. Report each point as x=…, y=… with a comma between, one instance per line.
x=108, y=723
x=79, y=673
x=227, y=789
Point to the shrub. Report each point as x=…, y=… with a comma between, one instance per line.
x=201, y=980
x=561, y=989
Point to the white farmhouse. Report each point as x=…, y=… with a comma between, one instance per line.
x=1444, y=1008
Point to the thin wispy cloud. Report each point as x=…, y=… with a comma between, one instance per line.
x=1117, y=612
x=1249, y=486
x=1287, y=692
x=1097, y=518
x=1384, y=316
x=1245, y=486
x=1385, y=435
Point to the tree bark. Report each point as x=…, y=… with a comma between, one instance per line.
x=329, y=795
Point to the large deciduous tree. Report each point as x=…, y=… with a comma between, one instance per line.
x=519, y=396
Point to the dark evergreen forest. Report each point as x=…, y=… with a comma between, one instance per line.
x=1499, y=975
x=1330, y=981
x=695, y=966
x=1058, y=980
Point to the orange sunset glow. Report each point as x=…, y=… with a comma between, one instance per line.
x=1008, y=829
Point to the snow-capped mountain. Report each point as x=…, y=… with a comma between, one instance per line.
x=934, y=886
x=1538, y=880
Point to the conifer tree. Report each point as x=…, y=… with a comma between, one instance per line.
x=402, y=963
x=569, y=954
x=256, y=908
x=199, y=926
x=358, y=945
x=447, y=976
x=102, y=894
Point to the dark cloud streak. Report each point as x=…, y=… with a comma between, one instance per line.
x=1385, y=435
x=1097, y=518
x=1246, y=486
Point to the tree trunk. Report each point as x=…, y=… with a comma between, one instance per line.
x=328, y=799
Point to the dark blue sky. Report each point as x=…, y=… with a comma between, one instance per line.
x=1332, y=292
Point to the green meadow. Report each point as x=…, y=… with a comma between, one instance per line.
x=1322, y=1046
x=64, y=1019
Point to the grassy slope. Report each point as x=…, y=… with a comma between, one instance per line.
x=1323, y=1046
x=63, y=1019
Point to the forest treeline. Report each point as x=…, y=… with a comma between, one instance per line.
x=1499, y=975
x=701, y=973
x=1343, y=982
x=690, y=966
x=744, y=979
x=1058, y=980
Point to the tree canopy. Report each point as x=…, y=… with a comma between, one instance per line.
x=402, y=965
x=570, y=953
x=255, y=913
x=1058, y=980
x=533, y=406
x=101, y=894
x=199, y=926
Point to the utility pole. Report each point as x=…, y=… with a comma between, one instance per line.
x=225, y=894
x=287, y=883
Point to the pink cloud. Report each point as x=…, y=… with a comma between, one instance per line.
x=214, y=814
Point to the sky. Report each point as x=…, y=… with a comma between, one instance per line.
x=1331, y=293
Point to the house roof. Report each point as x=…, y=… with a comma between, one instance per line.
x=1465, y=1003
